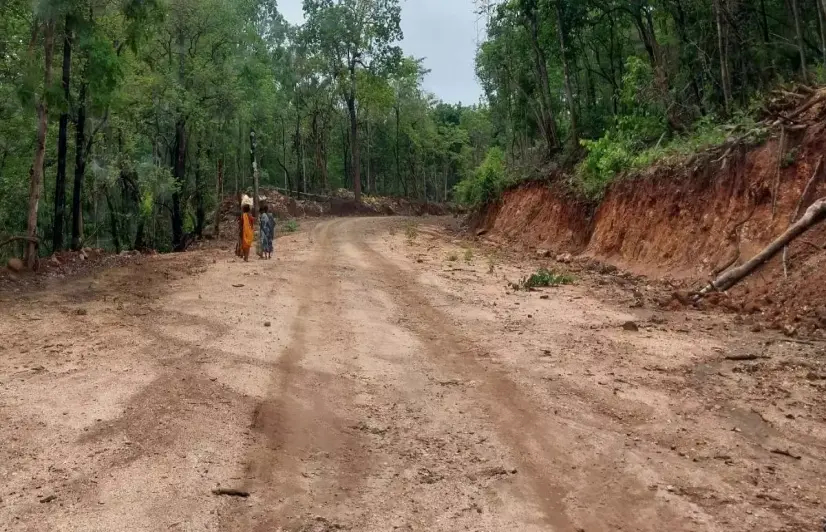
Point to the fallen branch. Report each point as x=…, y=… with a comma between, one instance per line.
x=814, y=214
x=744, y=358
x=231, y=492
x=814, y=101
x=798, y=210
x=783, y=452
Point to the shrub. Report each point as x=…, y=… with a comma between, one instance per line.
x=543, y=278
x=486, y=183
x=291, y=226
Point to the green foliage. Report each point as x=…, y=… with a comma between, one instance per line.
x=468, y=255
x=543, y=278
x=625, y=149
x=291, y=226
x=486, y=183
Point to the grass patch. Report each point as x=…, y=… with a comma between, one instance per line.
x=542, y=279
x=452, y=257
x=468, y=256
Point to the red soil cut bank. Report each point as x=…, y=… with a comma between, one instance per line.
x=685, y=222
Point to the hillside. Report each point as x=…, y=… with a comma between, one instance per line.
x=687, y=220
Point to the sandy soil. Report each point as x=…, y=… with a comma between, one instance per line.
x=379, y=375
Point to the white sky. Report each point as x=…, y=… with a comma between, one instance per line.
x=444, y=32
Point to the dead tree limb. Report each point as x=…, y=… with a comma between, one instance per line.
x=799, y=208
x=811, y=103
x=32, y=240
x=814, y=214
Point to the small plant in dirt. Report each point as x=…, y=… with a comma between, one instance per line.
x=491, y=265
x=468, y=256
x=789, y=158
x=291, y=226
x=411, y=231
x=452, y=257
x=542, y=279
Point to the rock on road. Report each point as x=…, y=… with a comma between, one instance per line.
x=361, y=381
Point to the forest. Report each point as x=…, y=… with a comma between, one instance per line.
x=123, y=122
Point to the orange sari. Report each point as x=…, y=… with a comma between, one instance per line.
x=247, y=233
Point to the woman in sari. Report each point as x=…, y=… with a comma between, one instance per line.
x=247, y=232
x=266, y=231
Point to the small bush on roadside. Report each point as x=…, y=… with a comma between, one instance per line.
x=452, y=257
x=468, y=256
x=411, y=231
x=542, y=279
x=486, y=183
x=291, y=226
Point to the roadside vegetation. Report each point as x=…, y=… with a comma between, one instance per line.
x=596, y=90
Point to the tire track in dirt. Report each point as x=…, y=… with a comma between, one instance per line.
x=539, y=443
x=304, y=460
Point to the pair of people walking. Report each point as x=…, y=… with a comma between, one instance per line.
x=266, y=232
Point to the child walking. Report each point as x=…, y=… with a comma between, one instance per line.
x=267, y=232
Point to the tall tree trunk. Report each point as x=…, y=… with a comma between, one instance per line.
x=284, y=146
x=725, y=75
x=548, y=121
x=303, y=162
x=821, y=24
x=179, y=173
x=569, y=93
x=80, y=170
x=370, y=184
x=255, y=173
x=113, y=221
x=800, y=40
x=219, y=193
x=36, y=183
x=179, y=154
x=60, y=181
x=345, y=138
x=396, y=149
x=355, y=166
x=200, y=211
x=687, y=56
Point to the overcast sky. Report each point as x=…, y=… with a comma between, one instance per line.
x=444, y=33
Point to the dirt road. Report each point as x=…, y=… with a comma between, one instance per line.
x=379, y=376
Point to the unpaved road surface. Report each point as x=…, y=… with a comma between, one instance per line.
x=380, y=376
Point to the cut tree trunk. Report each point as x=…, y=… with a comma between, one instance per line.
x=36, y=183
x=814, y=214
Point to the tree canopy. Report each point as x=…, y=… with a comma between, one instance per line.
x=123, y=123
